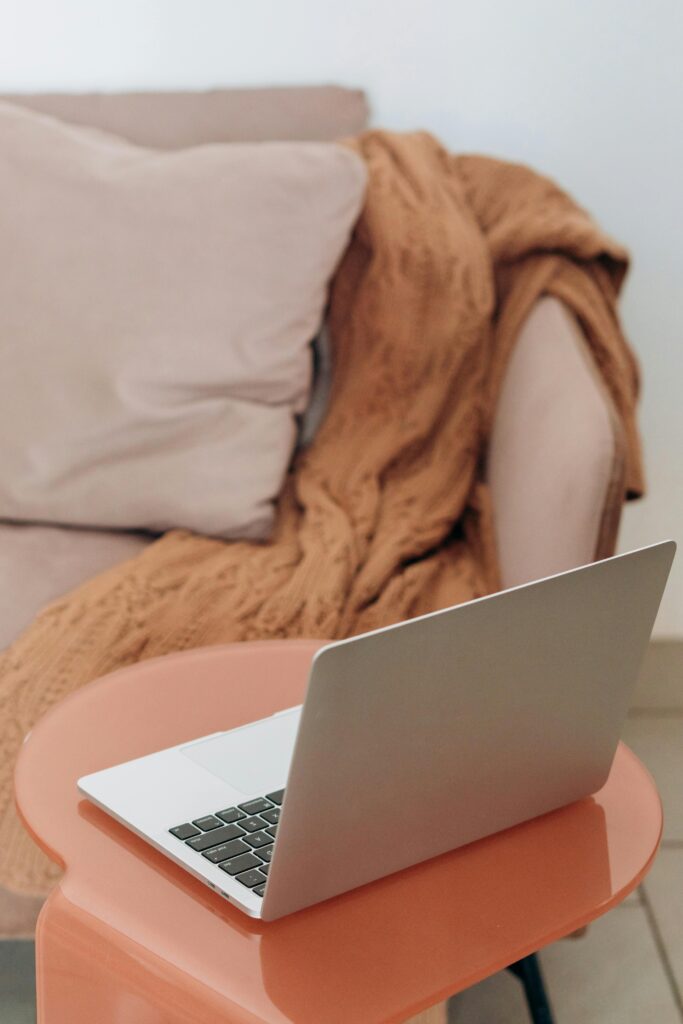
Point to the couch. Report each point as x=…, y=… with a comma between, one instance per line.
x=555, y=464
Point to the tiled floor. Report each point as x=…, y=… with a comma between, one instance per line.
x=628, y=969
x=17, y=982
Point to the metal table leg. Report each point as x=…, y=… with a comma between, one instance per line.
x=528, y=971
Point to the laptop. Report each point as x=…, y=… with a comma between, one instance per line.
x=413, y=740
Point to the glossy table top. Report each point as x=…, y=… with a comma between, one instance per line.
x=380, y=953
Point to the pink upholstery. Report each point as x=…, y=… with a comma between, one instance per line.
x=159, y=322
x=172, y=120
x=40, y=563
x=554, y=463
x=554, y=456
x=554, y=468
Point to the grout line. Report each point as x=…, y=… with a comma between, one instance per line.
x=663, y=953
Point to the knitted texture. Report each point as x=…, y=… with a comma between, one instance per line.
x=385, y=515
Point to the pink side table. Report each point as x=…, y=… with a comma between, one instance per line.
x=129, y=937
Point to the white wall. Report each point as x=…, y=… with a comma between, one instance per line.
x=589, y=91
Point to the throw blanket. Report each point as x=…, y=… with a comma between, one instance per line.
x=385, y=516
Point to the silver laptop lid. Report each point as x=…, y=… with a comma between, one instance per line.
x=424, y=736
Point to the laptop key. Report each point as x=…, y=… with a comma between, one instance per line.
x=251, y=878
x=185, y=831
x=215, y=837
x=260, y=890
x=277, y=797
x=208, y=822
x=230, y=814
x=236, y=865
x=272, y=831
x=265, y=868
x=265, y=853
x=257, y=839
x=255, y=806
x=253, y=824
x=272, y=816
x=226, y=851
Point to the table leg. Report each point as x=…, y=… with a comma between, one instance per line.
x=85, y=971
x=528, y=971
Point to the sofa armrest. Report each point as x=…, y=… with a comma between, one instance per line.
x=556, y=460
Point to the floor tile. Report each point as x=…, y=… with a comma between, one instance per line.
x=17, y=982
x=16, y=1010
x=498, y=1000
x=611, y=976
x=633, y=899
x=661, y=679
x=434, y=1015
x=664, y=894
x=658, y=742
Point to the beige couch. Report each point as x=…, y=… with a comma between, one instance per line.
x=555, y=463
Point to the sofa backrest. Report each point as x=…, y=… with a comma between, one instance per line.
x=173, y=120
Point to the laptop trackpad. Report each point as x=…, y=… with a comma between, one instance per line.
x=253, y=758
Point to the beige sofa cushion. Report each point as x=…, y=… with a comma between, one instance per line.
x=156, y=311
x=40, y=563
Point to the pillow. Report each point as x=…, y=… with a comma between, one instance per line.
x=156, y=310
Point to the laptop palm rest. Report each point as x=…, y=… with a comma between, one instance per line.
x=252, y=758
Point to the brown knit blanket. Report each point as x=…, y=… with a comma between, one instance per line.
x=385, y=516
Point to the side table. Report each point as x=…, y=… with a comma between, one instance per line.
x=127, y=936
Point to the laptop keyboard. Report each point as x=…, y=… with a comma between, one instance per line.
x=238, y=839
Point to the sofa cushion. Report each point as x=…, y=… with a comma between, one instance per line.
x=156, y=311
x=40, y=563
x=173, y=120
